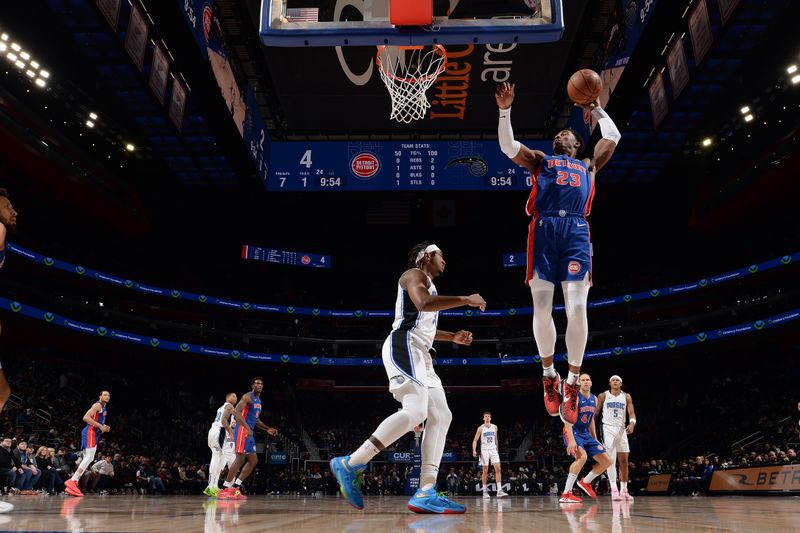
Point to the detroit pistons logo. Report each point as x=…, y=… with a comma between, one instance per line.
x=574, y=267
x=207, y=18
x=365, y=165
x=305, y=259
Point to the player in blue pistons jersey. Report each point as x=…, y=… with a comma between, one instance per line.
x=581, y=441
x=558, y=240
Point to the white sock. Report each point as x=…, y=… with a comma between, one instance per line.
x=433, y=441
x=549, y=371
x=364, y=454
x=570, y=482
x=214, y=468
x=623, y=485
x=237, y=482
x=572, y=378
x=227, y=484
x=428, y=486
x=589, y=477
x=485, y=488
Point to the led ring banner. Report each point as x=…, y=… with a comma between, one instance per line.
x=143, y=340
x=389, y=313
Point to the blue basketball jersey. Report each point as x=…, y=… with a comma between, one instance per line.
x=586, y=408
x=99, y=417
x=252, y=411
x=561, y=185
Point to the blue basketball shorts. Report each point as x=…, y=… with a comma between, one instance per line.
x=559, y=249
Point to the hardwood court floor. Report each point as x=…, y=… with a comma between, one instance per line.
x=179, y=514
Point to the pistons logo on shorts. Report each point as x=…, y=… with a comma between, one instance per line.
x=574, y=267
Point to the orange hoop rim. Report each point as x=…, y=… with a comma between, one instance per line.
x=437, y=48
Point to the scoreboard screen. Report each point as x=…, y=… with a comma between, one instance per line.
x=285, y=257
x=396, y=165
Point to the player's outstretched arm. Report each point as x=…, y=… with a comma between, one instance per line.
x=271, y=430
x=516, y=151
x=459, y=337
x=631, y=415
x=605, y=147
x=416, y=283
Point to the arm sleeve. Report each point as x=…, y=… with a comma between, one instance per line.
x=607, y=127
x=505, y=134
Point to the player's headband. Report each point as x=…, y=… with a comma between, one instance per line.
x=428, y=250
x=615, y=376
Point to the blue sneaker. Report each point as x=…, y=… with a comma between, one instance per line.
x=350, y=478
x=430, y=501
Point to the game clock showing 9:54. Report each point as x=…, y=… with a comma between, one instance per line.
x=395, y=165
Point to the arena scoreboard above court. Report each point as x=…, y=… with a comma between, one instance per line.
x=396, y=165
x=285, y=257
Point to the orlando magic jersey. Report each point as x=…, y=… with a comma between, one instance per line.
x=488, y=437
x=220, y=413
x=614, y=409
x=420, y=324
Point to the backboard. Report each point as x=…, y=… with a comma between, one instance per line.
x=300, y=23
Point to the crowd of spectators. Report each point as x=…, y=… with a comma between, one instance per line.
x=142, y=453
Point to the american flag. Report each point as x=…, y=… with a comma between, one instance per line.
x=303, y=14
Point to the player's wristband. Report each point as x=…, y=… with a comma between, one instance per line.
x=633, y=421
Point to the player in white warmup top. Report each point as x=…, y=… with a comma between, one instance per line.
x=614, y=404
x=220, y=440
x=487, y=435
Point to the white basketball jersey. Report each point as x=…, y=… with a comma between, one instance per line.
x=421, y=324
x=488, y=437
x=615, y=409
x=220, y=413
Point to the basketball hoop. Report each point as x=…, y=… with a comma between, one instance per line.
x=408, y=72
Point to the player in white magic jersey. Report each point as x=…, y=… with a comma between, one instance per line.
x=220, y=440
x=413, y=381
x=614, y=404
x=487, y=435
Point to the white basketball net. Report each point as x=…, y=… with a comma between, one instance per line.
x=408, y=73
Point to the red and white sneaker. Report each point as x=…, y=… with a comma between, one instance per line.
x=552, y=394
x=569, y=403
x=587, y=488
x=625, y=496
x=71, y=488
x=615, y=496
x=227, y=493
x=568, y=497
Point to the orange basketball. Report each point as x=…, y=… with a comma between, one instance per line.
x=584, y=86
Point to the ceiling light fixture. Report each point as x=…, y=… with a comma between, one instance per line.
x=745, y=110
x=748, y=118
